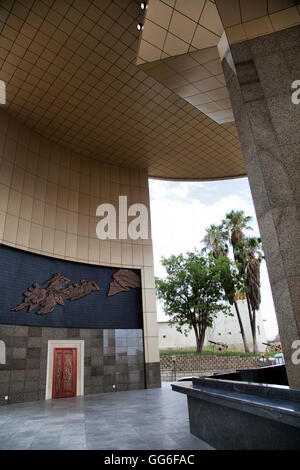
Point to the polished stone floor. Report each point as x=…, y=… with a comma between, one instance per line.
x=140, y=419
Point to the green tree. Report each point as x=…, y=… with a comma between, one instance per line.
x=216, y=241
x=191, y=293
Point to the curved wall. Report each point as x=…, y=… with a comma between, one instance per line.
x=48, y=201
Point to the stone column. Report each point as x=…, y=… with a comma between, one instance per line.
x=259, y=75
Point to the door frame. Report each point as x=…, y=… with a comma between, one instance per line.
x=69, y=344
x=74, y=381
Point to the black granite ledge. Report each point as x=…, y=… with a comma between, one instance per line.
x=281, y=392
x=225, y=415
x=284, y=411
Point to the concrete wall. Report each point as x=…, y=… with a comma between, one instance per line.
x=192, y=365
x=225, y=330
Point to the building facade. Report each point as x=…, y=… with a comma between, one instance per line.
x=225, y=330
x=49, y=198
x=91, y=107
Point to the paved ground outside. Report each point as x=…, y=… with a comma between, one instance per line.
x=140, y=419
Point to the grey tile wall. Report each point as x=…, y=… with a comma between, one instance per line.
x=114, y=360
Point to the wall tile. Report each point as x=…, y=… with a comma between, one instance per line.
x=59, y=242
x=4, y=194
x=36, y=232
x=48, y=240
x=23, y=234
x=11, y=228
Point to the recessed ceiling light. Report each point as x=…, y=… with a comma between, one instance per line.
x=140, y=26
x=144, y=6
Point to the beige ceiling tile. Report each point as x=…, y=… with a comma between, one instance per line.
x=210, y=18
x=74, y=15
x=47, y=28
x=218, y=94
x=258, y=27
x=181, y=63
x=34, y=20
x=203, y=38
x=171, y=3
x=159, y=13
x=190, y=8
x=229, y=11
x=19, y=10
x=253, y=9
x=16, y=23
x=205, y=55
x=154, y=34
x=221, y=78
x=236, y=34
x=6, y=44
x=149, y=52
x=221, y=115
x=10, y=33
x=200, y=98
x=225, y=104
x=276, y=5
x=285, y=18
x=207, y=84
x=175, y=82
x=53, y=17
x=175, y=46
x=182, y=27
x=196, y=73
x=214, y=67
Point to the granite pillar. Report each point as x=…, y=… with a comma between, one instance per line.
x=259, y=75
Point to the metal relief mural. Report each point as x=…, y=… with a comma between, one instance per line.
x=54, y=294
x=123, y=280
x=102, y=297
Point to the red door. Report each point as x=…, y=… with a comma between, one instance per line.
x=64, y=372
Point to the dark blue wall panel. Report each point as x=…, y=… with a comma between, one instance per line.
x=19, y=269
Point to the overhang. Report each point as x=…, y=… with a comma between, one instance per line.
x=70, y=72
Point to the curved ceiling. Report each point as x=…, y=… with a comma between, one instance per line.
x=71, y=75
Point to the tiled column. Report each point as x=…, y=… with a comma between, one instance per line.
x=259, y=75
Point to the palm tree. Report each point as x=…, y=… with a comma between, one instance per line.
x=236, y=222
x=248, y=251
x=216, y=241
x=252, y=271
x=244, y=254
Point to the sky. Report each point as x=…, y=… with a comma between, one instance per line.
x=180, y=212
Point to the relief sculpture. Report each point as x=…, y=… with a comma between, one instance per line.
x=58, y=290
x=123, y=280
